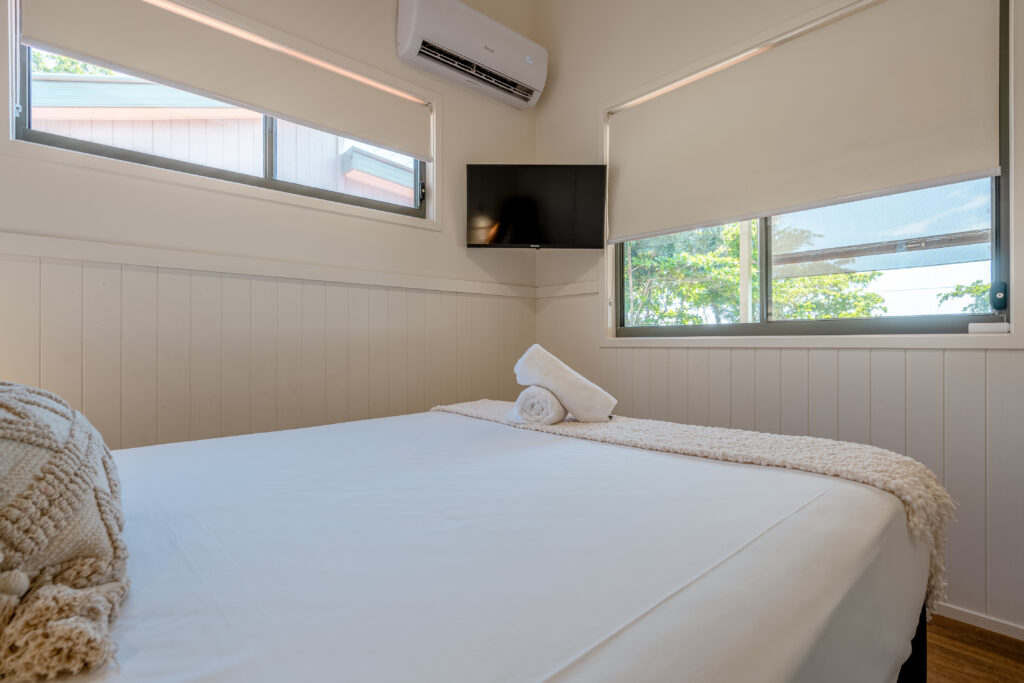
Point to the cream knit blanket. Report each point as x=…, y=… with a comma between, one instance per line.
x=929, y=508
x=62, y=560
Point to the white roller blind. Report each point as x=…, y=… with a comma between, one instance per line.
x=148, y=41
x=898, y=94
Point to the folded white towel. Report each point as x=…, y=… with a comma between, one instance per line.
x=585, y=400
x=537, y=405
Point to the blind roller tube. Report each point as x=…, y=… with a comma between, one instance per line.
x=896, y=95
x=139, y=38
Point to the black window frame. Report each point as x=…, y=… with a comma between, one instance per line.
x=951, y=323
x=23, y=131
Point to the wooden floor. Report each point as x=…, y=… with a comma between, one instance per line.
x=960, y=653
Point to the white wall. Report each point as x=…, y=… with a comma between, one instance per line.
x=956, y=406
x=154, y=355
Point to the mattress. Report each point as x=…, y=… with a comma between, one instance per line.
x=436, y=547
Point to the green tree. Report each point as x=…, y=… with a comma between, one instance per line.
x=977, y=292
x=685, y=279
x=49, y=63
x=837, y=295
x=694, y=277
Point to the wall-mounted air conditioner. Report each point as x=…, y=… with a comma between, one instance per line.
x=461, y=44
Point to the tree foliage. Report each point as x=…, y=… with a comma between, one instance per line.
x=694, y=277
x=49, y=63
x=685, y=279
x=977, y=292
x=838, y=295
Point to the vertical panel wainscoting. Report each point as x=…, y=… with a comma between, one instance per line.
x=960, y=412
x=154, y=355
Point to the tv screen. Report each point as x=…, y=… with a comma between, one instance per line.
x=535, y=206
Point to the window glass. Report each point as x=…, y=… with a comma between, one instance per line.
x=703, y=276
x=87, y=102
x=924, y=252
x=311, y=157
x=81, y=101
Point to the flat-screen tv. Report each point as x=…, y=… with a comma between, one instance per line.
x=535, y=205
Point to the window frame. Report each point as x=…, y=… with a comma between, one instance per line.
x=942, y=323
x=23, y=131
x=948, y=323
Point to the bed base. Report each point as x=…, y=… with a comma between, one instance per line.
x=915, y=669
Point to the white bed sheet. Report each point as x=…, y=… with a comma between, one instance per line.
x=435, y=547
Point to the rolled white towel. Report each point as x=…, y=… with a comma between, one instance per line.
x=537, y=405
x=585, y=400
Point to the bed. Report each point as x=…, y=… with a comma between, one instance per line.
x=438, y=547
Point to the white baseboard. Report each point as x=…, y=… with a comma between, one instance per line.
x=981, y=620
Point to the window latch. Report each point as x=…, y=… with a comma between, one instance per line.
x=997, y=296
x=17, y=110
x=423, y=190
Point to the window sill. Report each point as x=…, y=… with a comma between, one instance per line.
x=851, y=341
x=25, y=150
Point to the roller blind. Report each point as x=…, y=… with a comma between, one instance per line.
x=898, y=94
x=139, y=38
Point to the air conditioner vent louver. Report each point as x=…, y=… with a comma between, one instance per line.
x=475, y=70
x=458, y=43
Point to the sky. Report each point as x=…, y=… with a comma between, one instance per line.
x=933, y=211
x=913, y=291
x=908, y=290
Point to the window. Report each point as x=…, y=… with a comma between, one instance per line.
x=311, y=157
x=918, y=261
x=699, y=277
x=919, y=253
x=80, y=106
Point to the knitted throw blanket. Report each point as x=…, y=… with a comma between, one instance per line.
x=62, y=561
x=929, y=507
